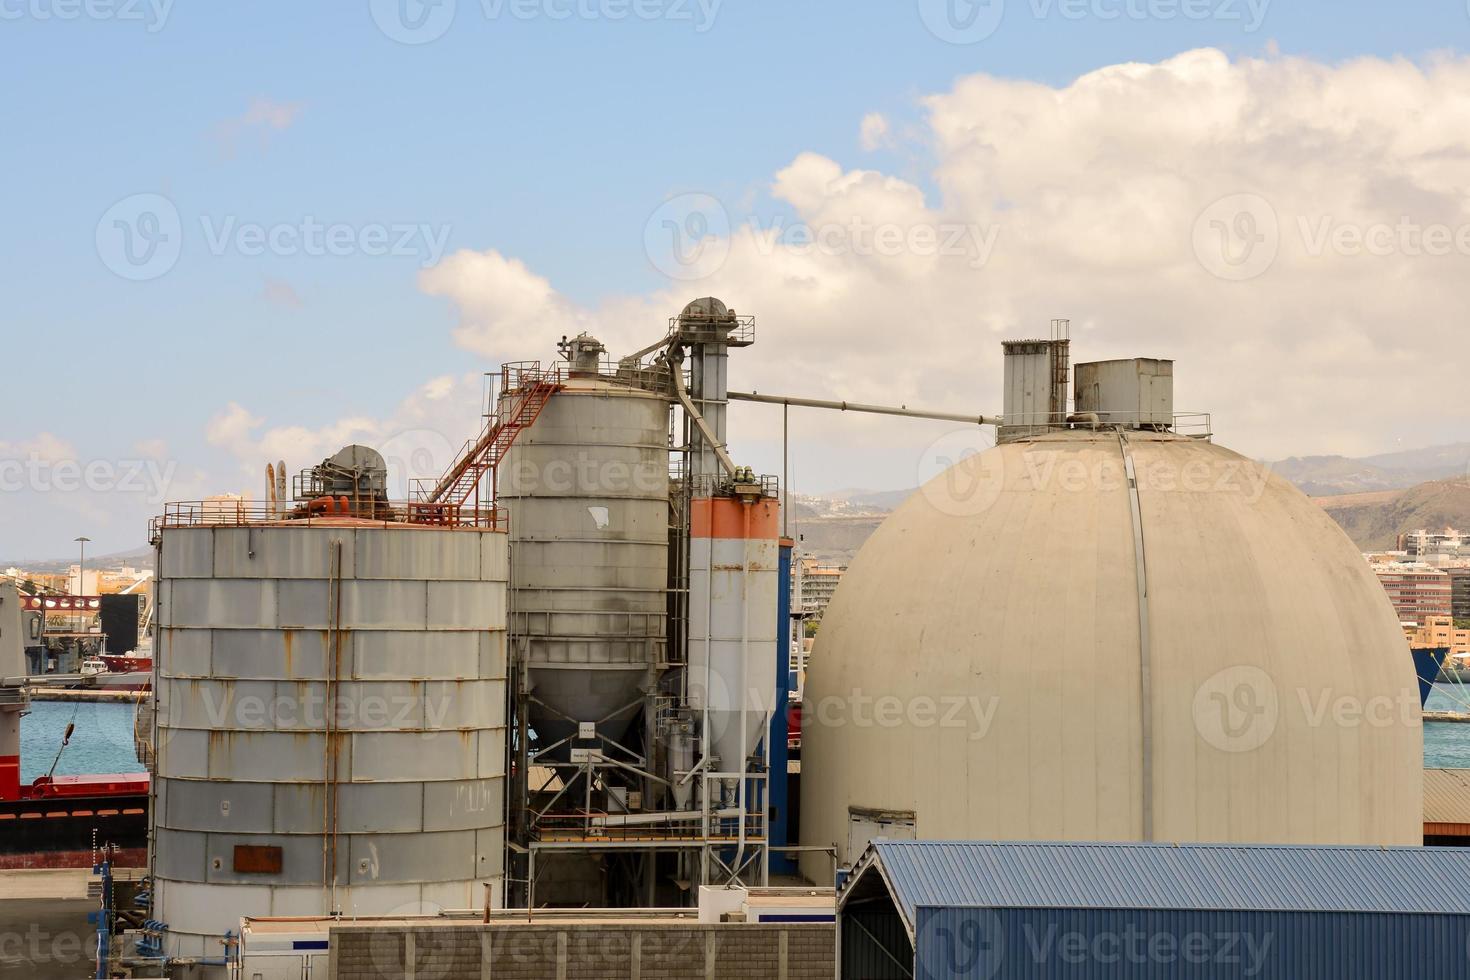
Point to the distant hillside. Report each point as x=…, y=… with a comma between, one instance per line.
x=1321, y=476
x=136, y=558
x=1375, y=520
x=835, y=539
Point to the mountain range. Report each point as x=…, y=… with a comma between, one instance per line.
x=1373, y=498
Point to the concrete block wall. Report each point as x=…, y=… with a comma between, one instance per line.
x=637, y=951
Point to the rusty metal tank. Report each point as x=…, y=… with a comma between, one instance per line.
x=330, y=733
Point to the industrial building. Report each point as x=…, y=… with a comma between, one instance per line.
x=1441, y=631
x=816, y=583
x=1417, y=591
x=1008, y=911
x=1434, y=546
x=1459, y=592
x=553, y=677
x=1198, y=600
x=330, y=708
x=765, y=933
x=557, y=678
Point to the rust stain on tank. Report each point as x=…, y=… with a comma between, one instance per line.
x=221, y=746
x=288, y=641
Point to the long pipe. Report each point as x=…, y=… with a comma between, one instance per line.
x=662, y=816
x=843, y=406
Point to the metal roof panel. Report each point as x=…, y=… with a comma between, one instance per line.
x=1164, y=876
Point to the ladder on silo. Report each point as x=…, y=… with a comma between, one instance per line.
x=517, y=408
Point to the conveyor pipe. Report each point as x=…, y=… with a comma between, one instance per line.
x=845, y=406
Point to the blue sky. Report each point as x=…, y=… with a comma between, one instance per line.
x=546, y=139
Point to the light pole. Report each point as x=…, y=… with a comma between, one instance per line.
x=82, y=566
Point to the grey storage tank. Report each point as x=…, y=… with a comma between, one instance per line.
x=586, y=490
x=330, y=733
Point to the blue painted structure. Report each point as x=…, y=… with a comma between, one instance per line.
x=780, y=825
x=1427, y=662
x=957, y=909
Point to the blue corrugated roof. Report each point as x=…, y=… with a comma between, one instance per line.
x=1165, y=876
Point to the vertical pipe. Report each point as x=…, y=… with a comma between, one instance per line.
x=744, y=693
x=1145, y=655
x=327, y=735
x=329, y=802
x=785, y=467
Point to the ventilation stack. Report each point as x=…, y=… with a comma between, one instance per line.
x=1036, y=381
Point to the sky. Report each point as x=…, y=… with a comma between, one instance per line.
x=245, y=232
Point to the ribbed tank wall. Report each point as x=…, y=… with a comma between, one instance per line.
x=734, y=554
x=586, y=487
x=335, y=696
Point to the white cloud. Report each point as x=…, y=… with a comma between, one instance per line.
x=43, y=446
x=499, y=300
x=874, y=132
x=52, y=490
x=152, y=448
x=419, y=439
x=1093, y=191
x=261, y=119
x=1083, y=201
x=279, y=292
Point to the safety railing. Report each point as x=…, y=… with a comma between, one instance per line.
x=719, y=484
x=1196, y=425
x=682, y=825
x=324, y=511
x=737, y=331
x=524, y=374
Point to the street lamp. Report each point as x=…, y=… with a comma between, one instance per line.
x=82, y=566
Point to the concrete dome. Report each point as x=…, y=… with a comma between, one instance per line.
x=980, y=666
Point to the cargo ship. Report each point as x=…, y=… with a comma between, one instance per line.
x=116, y=673
x=1428, y=664
x=58, y=821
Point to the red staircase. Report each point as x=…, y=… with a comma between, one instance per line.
x=526, y=389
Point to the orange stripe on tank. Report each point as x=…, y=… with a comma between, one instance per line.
x=724, y=517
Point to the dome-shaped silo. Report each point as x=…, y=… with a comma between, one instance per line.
x=330, y=728
x=994, y=666
x=587, y=490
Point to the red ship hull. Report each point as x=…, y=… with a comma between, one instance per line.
x=57, y=822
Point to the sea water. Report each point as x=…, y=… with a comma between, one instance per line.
x=1447, y=744
x=102, y=741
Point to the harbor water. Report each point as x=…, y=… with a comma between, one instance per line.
x=102, y=741
x=1447, y=744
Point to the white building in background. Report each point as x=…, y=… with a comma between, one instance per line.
x=86, y=584
x=815, y=583
x=1435, y=547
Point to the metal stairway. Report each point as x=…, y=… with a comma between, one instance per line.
x=526, y=391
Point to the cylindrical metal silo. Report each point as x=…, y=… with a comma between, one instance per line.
x=586, y=487
x=330, y=729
